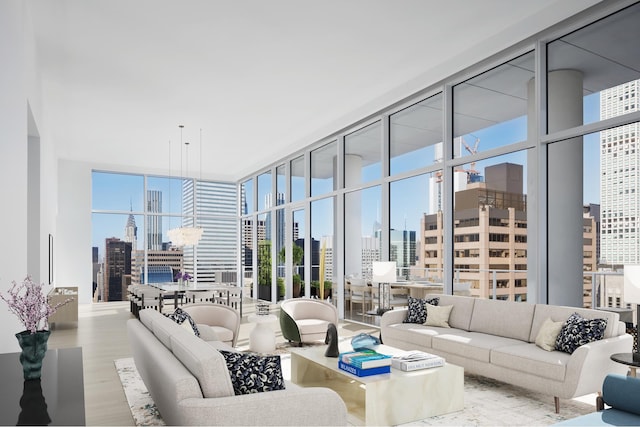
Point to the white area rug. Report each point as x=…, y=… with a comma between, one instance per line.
x=486, y=402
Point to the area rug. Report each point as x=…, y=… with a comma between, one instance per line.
x=486, y=402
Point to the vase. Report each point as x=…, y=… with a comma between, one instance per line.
x=34, y=347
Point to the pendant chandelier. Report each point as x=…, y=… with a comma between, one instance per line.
x=185, y=236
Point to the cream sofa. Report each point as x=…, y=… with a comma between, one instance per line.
x=190, y=384
x=496, y=339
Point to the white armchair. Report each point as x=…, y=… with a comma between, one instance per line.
x=215, y=321
x=306, y=320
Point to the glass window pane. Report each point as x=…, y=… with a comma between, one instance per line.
x=601, y=63
x=117, y=192
x=246, y=257
x=298, y=252
x=322, y=244
x=490, y=110
x=265, y=196
x=415, y=131
x=490, y=227
x=165, y=191
x=247, y=197
x=281, y=185
x=412, y=200
x=363, y=154
x=297, y=179
x=322, y=169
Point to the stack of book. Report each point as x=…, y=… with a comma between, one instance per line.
x=414, y=360
x=364, y=363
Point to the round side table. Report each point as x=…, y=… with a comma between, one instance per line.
x=262, y=338
x=627, y=359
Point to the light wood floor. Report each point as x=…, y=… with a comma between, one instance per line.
x=101, y=332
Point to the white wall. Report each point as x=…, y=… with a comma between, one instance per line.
x=13, y=152
x=73, y=265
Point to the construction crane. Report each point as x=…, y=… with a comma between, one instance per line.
x=472, y=170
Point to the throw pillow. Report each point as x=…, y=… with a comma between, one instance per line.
x=577, y=331
x=251, y=373
x=438, y=315
x=547, y=335
x=416, y=312
x=181, y=317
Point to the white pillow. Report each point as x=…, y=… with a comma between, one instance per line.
x=438, y=315
x=546, y=338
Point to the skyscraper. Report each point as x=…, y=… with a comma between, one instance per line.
x=117, y=274
x=620, y=178
x=154, y=222
x=131, y=232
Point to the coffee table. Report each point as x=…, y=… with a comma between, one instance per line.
x=387, y=399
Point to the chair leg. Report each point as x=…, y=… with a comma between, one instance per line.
x=556, y=401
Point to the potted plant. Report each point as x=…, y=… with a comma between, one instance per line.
x=29, y=303
x=298, y=255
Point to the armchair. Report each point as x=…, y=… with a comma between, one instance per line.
x=306, y=320
x=215, y=322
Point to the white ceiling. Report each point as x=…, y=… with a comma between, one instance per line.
x=260, y=78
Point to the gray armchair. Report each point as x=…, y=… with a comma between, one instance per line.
x=306, y=320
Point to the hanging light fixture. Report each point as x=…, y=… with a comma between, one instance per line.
x=185, y=236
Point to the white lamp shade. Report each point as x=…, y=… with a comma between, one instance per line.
x=632, y=284
x=384, y=271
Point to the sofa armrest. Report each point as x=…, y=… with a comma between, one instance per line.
x=295, y=407
x=392, y=317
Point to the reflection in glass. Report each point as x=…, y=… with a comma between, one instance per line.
x=322, y=169
x=415, y=131
x=490, y=110
x=362, y=230
x=297, y=179
x=363, y=154
x=33, y=405
x=322, y=244
x=604, y=55
x=490, y=229
x=264, y=259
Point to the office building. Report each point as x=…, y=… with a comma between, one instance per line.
x=154, y=222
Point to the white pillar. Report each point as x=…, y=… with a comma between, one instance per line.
x=352, y=216
x=564, y=191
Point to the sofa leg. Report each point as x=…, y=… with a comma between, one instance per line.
x=556, y=401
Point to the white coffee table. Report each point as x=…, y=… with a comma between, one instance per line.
x=262, y=338
x=387, y=399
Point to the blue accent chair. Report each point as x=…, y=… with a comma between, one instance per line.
x=622, y=394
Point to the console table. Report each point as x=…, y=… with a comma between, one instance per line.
x=56, y=399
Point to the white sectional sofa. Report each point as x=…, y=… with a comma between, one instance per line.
x=188, y=379
x=496, y=339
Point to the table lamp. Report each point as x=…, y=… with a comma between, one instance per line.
x=632, y=295
x=384, y=273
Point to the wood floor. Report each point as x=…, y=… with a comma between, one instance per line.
x=102, y=334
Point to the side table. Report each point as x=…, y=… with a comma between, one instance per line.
x=262, y=338
x=627, y=359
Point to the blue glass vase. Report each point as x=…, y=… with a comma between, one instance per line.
x=34, y=347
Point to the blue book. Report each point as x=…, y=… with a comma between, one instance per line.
x=365, y=359
x=363, y=372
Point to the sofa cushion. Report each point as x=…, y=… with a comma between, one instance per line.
x=419, y=335
x=559, y=313
x=503, y=318
x=471, y=345
x=416, y=311
x=577, y=331
x=215, y=333
x=251, y=373
x=312, y=326
x=438, y=315
x=460, y=317
x=548, y=334
x=527, y=357
x=161, y=326
x=204, y=362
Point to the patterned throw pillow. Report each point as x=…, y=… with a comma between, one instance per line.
x=577, y=331
x=417, y=313
x=251, y=373
x=180, y=316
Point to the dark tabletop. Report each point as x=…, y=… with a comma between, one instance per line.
x=625, y=358
x=56, y=399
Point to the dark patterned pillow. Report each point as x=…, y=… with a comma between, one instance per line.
x=179, y=316
x=251, y=373
x=417, y=313
x=577, y=331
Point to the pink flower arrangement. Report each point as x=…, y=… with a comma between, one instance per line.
x=30, y=304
